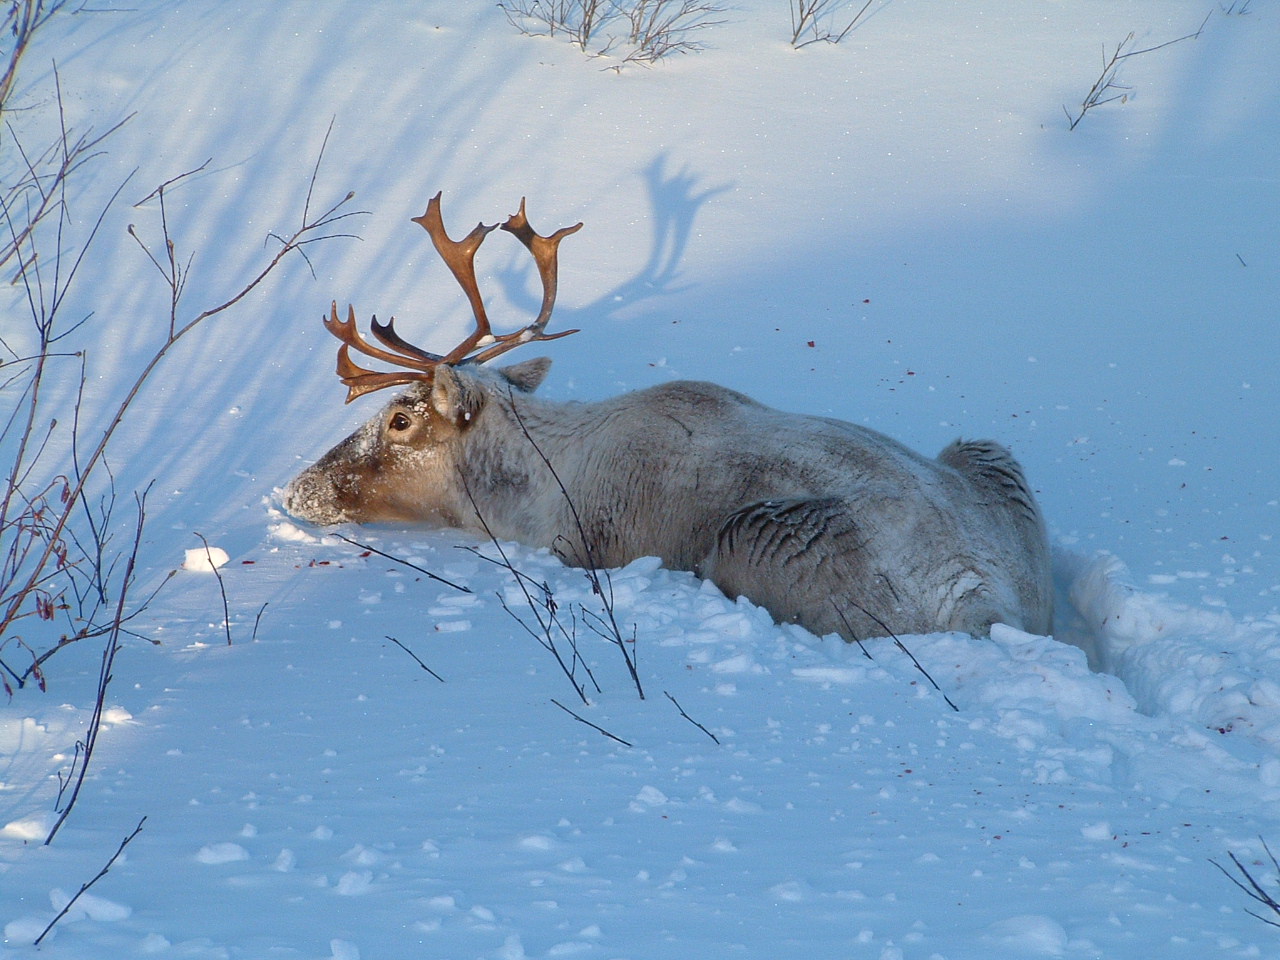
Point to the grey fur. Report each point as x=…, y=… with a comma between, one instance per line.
x=824, y=523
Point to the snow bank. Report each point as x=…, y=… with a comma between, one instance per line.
x=1178, y=661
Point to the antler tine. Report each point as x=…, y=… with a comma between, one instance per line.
x=544, y=250
x=360, y=381
x=459, y=256
x=406, y=355
x=386, y=332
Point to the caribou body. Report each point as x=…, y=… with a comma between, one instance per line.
x=824, y=523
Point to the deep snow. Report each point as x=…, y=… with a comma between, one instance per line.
x=898, y=231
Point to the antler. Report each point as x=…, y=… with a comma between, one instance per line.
x=545, y=251
x=359, y=381
x=459, y=257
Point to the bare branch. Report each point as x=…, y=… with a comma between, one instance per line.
x=57, y=559
x=545, y=610
x=690, y=719
x=226, y=610
x=84, y=887
x=406, y=563
x=416, y=658
x=598, y=729
x=814, y=21
x=104, y=673
x=1252, y=887
x=1107, y=89
x=649, y=30
x=900, y=645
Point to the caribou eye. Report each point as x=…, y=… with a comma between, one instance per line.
x=400, y=422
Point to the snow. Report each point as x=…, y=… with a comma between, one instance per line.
x=898, y=231
x=205, y=559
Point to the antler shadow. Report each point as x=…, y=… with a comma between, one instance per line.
x=675, y=199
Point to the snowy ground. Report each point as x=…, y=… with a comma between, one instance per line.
x=899, y=231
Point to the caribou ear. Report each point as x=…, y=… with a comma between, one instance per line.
x=456, y=399
x=528, y=374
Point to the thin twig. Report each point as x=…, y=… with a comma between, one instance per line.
x=226, y=610
x=601, y=730
x=690, y=719
x=85, y=886
x=51, y=556
x=416, y=658
x=903, y=647
x=1254, y=890
x=805, y=15
x=1106, y=82
x=548, y=625
x=399, y=560
x=546, y=639
x=583, y=556
x=105, y=672
x=849, y=628
x=258, y=619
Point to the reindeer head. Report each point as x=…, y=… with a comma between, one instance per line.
x=400, y=465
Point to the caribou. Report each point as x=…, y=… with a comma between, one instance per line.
x=824, y=523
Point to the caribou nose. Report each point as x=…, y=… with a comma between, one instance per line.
x=312, y=497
